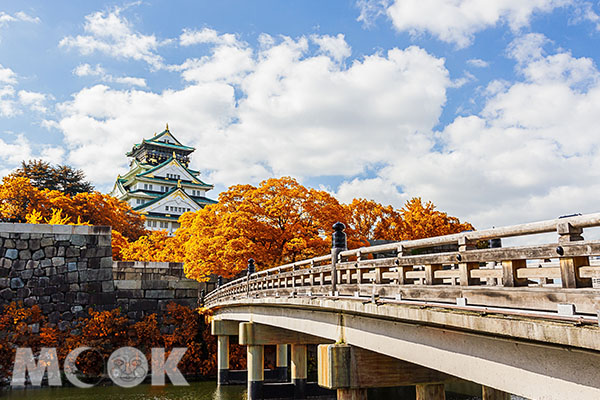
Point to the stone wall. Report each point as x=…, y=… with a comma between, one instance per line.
x=147, y=287
x=62, y=268
x=67, y=269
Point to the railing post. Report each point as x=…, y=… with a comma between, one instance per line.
x=465, y=268
x=569, y=266
x=249, y=271
x=338, y=244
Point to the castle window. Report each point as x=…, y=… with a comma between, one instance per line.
x=145, y=186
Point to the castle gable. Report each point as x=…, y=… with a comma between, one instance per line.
x=175, y=202
x=172, y=170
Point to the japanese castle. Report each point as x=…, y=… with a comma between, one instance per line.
x=160, y=184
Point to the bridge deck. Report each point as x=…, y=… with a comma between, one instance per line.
x=523, y=319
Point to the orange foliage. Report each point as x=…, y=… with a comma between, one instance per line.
x=21, y=201
x=371, y=220
x=23, y=327
x=155, y=246
x=415, y=220
x=279, y=221
x=106, y=331
x=18, y=198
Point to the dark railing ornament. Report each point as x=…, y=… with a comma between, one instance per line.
x=338, y=244
x=250, y=271
x=338, y=238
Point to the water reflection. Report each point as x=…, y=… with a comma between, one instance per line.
x=196, y=391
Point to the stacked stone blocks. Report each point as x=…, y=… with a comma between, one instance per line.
x=62, y=268
x=146, y=287
x=68, y=269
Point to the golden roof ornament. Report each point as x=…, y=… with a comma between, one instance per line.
x=179, y=183
x=174, y=155
x=167, y=129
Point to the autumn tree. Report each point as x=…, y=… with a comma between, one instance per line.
x=277, y=222
x=153, y=246
x=62, y=178
x=371, y=220
x=19, y=198
x=423, y=220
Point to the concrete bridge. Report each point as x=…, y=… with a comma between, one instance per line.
x=517, y=320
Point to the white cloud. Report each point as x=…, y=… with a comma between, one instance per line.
x=8, y=106
x=300, y=112
x=101, y=120
x=333, y=46
x=34, y=100
x=52, y=154
x=229, y=60
x=18, y=16
x=17, y=150
x=370, y=10
x=111, y=33
x=531, y=153
x=191, y=37
x=477, y=62
x=378, y=189
x=457, y=21
x=87, y=70
x=22, y=16
x=7, y=75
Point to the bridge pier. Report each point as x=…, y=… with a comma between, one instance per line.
x=256, y=371
x=222, y=359
x=223, y=329
x=281, y=362
x=489, y=393
x=299, y=370
x=351, y=370
x=352, y=394
x=431, y=392
x=256, y=336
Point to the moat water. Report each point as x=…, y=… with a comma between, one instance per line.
x=195, y=391
x=206, y=390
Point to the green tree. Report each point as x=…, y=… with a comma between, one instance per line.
x=63, y=178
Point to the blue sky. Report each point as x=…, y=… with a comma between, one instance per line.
x=488, y=108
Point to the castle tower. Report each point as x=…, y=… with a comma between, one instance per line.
x=159, y=183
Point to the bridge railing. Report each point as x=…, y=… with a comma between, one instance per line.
x=535, y=276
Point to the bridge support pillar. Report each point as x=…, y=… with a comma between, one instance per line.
x=352, y=394
x=222, y=360
x=431, y=392
x=489, y=393
x=351, y=370
x=299, y=370
x=223, y=329
x=281, y=363
x=256, y=371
